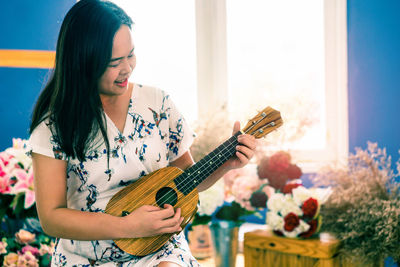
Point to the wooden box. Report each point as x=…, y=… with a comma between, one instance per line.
x=262, y=248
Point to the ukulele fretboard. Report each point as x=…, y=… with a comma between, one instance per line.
x=193, y=176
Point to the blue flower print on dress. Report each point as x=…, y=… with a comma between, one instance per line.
x=159, y=117
x=109, y=173
x=175, y=137
x=55, y=142
x=120, y=143
x=141, y=151
x=142, y=128
x=91, y=199
x=94, y=155
x=58, y=154
x=81, y=173
x=59, y=259
x=112, y=253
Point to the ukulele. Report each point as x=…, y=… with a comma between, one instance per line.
x=171, y=185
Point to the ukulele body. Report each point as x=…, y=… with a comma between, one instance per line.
x=157, y=188
x=150, y=189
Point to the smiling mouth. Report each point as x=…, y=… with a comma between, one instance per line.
x=122, y=83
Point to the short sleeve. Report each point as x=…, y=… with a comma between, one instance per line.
x=181, y=135
x=42, y=141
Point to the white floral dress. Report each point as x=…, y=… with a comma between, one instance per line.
x=155, y=134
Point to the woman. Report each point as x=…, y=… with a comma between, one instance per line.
x=92, y=133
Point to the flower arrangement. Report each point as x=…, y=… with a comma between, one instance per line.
x=26, y=249
x=239, y=193
x=296, y=213
x=363, y=211
x=17, y=196
x=22, y=242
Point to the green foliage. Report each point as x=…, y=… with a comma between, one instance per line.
x=200, y=219
x=232, y=212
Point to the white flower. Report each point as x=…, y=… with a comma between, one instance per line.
x=301, y=194
x=321, y=194
x=275, y=221
x=18, y=151
x=289, y=205
x=211, y=198
x=276, y=202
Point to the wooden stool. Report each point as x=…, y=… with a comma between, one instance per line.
x=262, y=248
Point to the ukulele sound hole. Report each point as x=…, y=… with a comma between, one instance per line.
x=166, y=195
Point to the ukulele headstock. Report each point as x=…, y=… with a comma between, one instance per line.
x=263, y=123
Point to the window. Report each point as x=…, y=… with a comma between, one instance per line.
x=165, y=46
x=249, y=54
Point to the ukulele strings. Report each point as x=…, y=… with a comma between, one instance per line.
x=186, y=181
x=185, y=184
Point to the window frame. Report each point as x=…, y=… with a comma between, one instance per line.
x=212, y=83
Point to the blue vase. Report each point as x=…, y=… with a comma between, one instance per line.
x=224, y=235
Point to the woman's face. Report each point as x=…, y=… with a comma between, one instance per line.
x=114, y=80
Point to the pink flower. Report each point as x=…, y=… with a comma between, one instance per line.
x=10, y=260
x=268, y=190
x=33, y=250
x=28, y=259
x=4, y=185
x=24, y=237
x=280, y=161
x=242, y=189
x=46, y=249
x=4, y=179
x=3, y=247
x=293, y=172
x=25, y=184
x=5, y=158
x=231, y=175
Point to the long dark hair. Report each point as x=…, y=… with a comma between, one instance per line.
x=71, y=99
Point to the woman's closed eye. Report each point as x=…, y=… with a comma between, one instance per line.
x=116, y=64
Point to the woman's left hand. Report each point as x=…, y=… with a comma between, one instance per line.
x=244, y=151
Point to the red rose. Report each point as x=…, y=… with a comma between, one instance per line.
x=288, y=188
x=310, y=207
x=313, y=226
x=293, y=172
x=291, y=221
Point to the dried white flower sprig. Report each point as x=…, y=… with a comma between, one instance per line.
x=363, y=210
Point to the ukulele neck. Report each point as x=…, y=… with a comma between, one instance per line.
x=197, y=173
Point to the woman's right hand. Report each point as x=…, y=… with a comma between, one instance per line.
x=151, y=220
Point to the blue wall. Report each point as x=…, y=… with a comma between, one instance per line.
x=25, y=25
x=374, y=73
